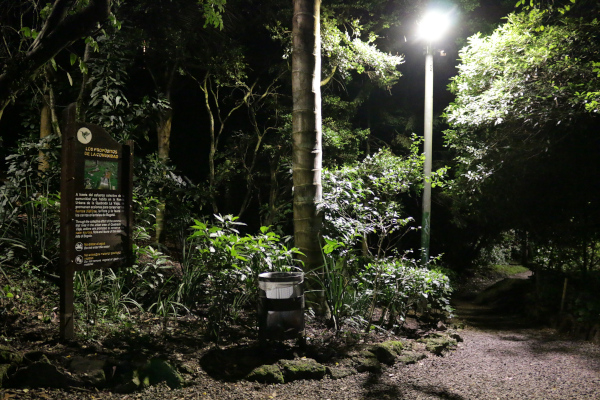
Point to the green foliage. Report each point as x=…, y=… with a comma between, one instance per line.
x=501, y=251
x=365, y=200
x=109, y=105
x=154, y=180
x=226, y=264
x=341, y=140
x=525, y=109
x=337, y=282
x=29, y=206
x=346, y=51
x=108, y=295
x=569, y=253
x=529, y=75
x=400, y=286
x=213, y=12
x=355, y=288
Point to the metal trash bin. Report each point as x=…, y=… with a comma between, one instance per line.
x=281, y=306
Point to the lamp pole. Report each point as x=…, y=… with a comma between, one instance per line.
x=428, y=128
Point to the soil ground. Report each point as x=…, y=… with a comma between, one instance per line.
x=503, y=356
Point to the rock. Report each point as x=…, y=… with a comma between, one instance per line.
x=340, y=372
x=456, y=337
x=89, y=370
x=127, y=387
x=10, y=356
x=387, y=352
x=305, y=368
x=410, y=357
x=439, y=345
x=323, y=355
x=36, y=356
x=366, y=361
x=128, y=378
x=158, y=370
x=40, y=375
x=5, y=369
x=440, y=326
x=595, y=336
x=266, y=374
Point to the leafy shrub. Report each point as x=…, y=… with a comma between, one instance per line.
x=355, y=288
x=336, y=280
x=569, y=253
x=224, y=265
x=400, y=286
x=502, y=251
x=365, y=201
x=29, y=205
x=158, y=184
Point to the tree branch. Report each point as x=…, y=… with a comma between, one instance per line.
x=59, y=31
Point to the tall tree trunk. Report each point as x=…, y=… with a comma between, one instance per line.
x=306, y=137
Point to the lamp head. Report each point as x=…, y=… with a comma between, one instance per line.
x=433, y=25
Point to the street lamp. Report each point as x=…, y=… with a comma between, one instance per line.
x=431, y=28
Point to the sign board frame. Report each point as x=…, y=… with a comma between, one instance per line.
x=96, y=208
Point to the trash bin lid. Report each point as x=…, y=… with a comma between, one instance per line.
x=280, y=277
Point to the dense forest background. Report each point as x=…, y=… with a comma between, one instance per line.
x=203, y=88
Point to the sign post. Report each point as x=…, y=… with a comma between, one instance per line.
x=96, y=208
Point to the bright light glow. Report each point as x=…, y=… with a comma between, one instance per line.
x=433, y=25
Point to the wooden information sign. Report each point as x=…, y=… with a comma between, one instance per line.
x=96, y=207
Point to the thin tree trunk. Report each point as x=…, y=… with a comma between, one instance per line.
x=45, y=131
x=273, y=191
x=163, y=130
x=211, y=89
x=4, y=104
x=59, y=30
x=306, y=137
x=84, y=89
x=213, y=145
x=163, y=133
x=52, y=105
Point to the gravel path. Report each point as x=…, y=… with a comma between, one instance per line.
x=508, y=362
x=494, y=362
x=502, y=357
